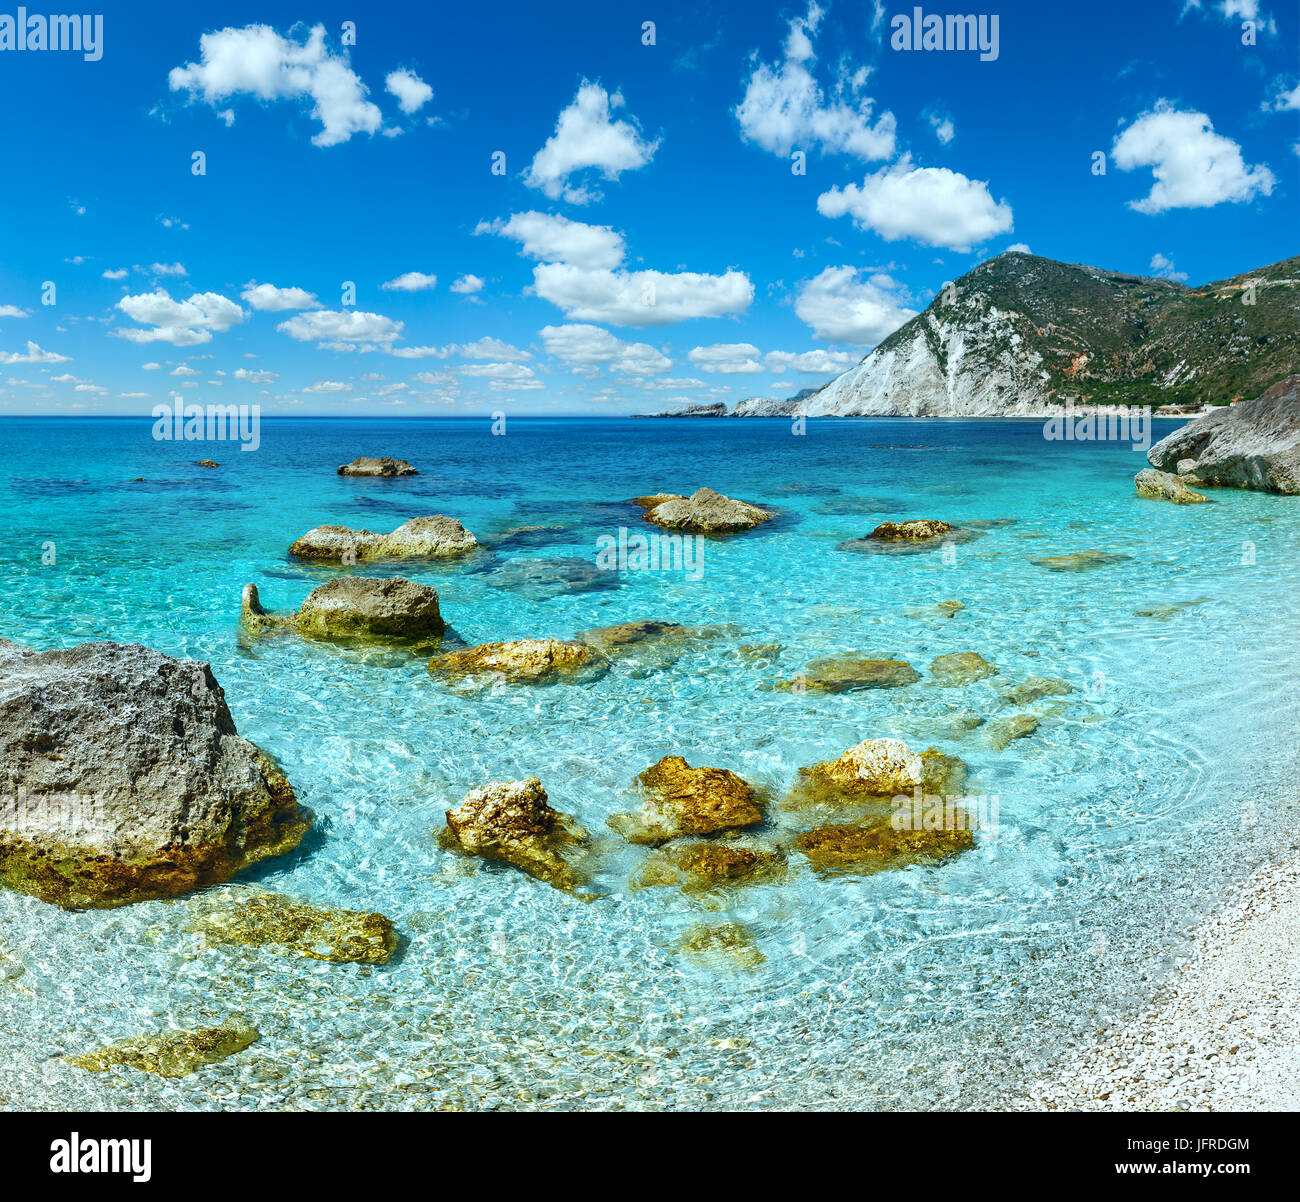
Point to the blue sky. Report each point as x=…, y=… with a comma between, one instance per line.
x=647, y=239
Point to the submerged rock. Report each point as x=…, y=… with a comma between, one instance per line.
x=723, y=945
x=704, y=512
x=368, y=465
x=874, y=845
x=1002, y=732
x=208, y=463
x=355, y=607
x=171, y=1053
x=845, y=673
x=700, y=864
x=434, y=537
x=283, y=923
x=1079, y=561
x=681, y=800
x=1252, y=444
x=960, y=667
x=124, y=779
x=543, y=579
x=1162, y=486
x=512, y=821
x=1034, y=688
x=524, y=661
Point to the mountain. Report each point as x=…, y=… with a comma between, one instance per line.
x=1021, y=333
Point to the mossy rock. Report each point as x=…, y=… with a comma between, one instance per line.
x=171, y=1053
x=722, y=945
x=875, y=845
x=287, y=925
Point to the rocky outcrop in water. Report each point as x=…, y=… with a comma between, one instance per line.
x=1253, y=444
x=918, y=531
x=681, y=800
x=123, y=778
x=368, y=465
x=706, y=512
x=524, y=661
x=352, y=607
x=1164, y=486
x=513, y=821
x=435, y=537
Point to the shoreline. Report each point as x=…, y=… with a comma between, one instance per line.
x=1218, y=1037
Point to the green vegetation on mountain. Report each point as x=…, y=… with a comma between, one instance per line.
x=1105, y=337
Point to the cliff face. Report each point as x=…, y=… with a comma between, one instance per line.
x=1020, y=333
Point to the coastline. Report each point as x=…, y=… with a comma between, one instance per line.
x=1221, y=1035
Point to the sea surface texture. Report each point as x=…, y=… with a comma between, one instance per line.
x=1130, y=811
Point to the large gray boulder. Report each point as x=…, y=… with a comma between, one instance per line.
x=435, y=537
x=1253, y=444
x=355, y=607
x=122, y=778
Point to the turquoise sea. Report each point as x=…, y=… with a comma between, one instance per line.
x=1141, y=798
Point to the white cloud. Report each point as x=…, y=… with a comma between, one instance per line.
x=34, y=355
x=482, y=348
x=785, y=109
x=555, y=239
x=255, y=377
x=587, y=348
x=1194, y=168
x=1019, y=247
x=1164, y=267
x=410, y=281
x=943, y=128
x=151, y=367
x=183, y=369
x=322, y=386
x=587, y=137
x=257, y=61
x=411, y=91
x=269, y=299
x=1235, y=11
x=164, y=269
x=13, y=311
x=641, y=298
x=1285, y=100
x=467, y=285
x=840, y=307
x=348, y=329
x=728, y=358
x=119, y=274
x=932, y=205
x=182, y=323
x=810, y=363
x=504, y=377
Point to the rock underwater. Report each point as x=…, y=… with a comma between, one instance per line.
x=123, y=778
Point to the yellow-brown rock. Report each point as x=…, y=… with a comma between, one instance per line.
x=512, y=821
x=523, y=661
x=681, y=800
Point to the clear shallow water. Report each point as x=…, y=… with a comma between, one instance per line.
x=1140, y=798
